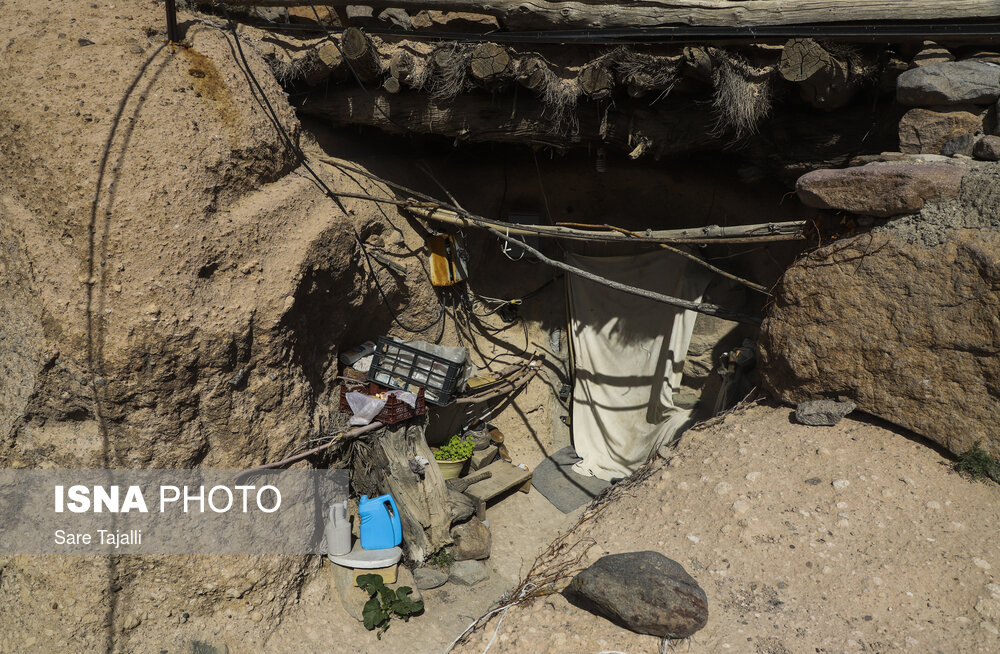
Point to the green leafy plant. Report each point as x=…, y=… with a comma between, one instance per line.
x=443, y=558
x=384, y=603
x=456, y=449
x=978, y=465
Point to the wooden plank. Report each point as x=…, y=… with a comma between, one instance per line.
x=505, y=477
x=481, y=458
x=593, y=14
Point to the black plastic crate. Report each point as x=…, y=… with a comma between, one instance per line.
x=398, y=365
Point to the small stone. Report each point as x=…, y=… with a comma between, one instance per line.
x=959, y=146
x=823, y=412
x=693, y=538
x=472, y=540
x=841, y=484
x=932, y=54
x=427, y=578
x=925, y=131
x=822, y=451
x=752, y=476
x=642, y=591
x=740, y=507
x=954, y=82
x=722, y=488
x=934, y=506
x=980, y=563
x=987, y=148
x=468, y=573
x=814, y=481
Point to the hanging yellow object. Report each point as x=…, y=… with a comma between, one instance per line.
x=447, y=265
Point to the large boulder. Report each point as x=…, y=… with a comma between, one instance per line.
x=645, y=592
x=953, y=82
x=924, y=131
x=880, y=189
x=907, y=330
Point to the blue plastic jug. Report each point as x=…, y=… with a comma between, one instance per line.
x=380, y=526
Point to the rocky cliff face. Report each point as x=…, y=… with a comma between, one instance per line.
x=173, y=290
x=905, y=321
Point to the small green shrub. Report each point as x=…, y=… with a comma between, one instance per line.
x=443, y=558
x=978, y=465
x=384, y=603
x=456, y=449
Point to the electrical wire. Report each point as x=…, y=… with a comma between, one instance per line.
x=293, y=147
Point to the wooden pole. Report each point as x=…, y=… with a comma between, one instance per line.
x=590, y=14
x=790, y=230
x=173, y=34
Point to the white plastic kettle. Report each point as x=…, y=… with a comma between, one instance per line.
x=338, y=530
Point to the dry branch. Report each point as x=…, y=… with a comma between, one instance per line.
x=711, y=233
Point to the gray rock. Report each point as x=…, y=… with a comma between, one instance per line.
x=932, y=54
x=960, y=145
x=468, y=573
x=823, y=413
x=644, y=592
x=406, y=578
x=880, y=190
x=987, y=148
x=952, y=82
x=472, y=540
x=461, y=506
x=925, y=131
x=351, y=597
x=427, y=578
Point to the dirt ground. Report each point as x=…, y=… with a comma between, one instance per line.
x=854, y=538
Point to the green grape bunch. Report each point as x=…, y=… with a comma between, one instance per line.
x=456, y=449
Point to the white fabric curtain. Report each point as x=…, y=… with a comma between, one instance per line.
x=629, y=355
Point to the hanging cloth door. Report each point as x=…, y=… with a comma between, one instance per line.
x=629, y=355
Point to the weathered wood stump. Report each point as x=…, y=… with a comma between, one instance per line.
x=423, y=504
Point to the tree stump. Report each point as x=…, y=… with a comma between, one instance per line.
x=424, y=510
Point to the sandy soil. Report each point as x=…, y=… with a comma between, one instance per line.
x=854, y=538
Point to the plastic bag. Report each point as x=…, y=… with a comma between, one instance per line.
x=364, y=407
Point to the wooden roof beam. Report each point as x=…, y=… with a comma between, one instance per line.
x=597, y=14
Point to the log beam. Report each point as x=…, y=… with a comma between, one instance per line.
x=594, y=14
x=523, y=121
